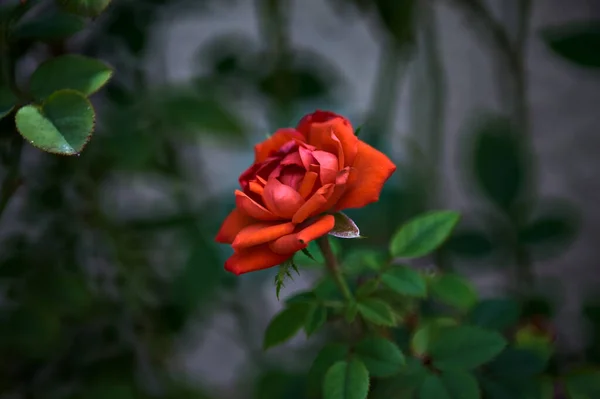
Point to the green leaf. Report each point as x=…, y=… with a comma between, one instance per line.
x=470, y=244
x=344, y=227
x=427, y=333
x=465, y=347
x=460, y=384
x=62, y=125
x=363, y=261
x=583, y=384
x=351, y=311
x=551, y=230
x=454, y=291
x=577, y=42
x=450, y=384
x=433, y=388
x=191, y=112
x=346, y=380
x=7, y=101
x=326, y=357
x=517, y=363
x=377, y=312
x=497, y=314
x=381, y=357
x=49, y=27
x=85, y=8
x=405, y=281
x=301, y=297
x=316, y=318
x=423, y=234
x=83, y=74
x=499, y=162
x=285, y=325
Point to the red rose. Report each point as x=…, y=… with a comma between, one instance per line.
x=298, y=178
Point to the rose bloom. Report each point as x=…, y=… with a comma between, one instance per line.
x=299, y=178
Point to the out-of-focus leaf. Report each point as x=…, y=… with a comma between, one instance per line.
x=470, y=244
x=346, y=380
x=498, y=160
x=577, y=42
x=285, y=324
x=278, y=384
x=381, y=357
x=453, y=290
x=515, y=363
x=363, y=260
x=130, y=23
x=376, y=311
x=551, y=230
x=7, y=101
x=293, y=84
x=316, y=318
x=205, y=115
x=328, y=355
x=85, y=8
x=62, y=125
x=76, y=72
x=423, y=234
x=465, y=347
x=405, y=281
x=583, y=384
x=496, y=313
x=398, y=18
x=49, y=27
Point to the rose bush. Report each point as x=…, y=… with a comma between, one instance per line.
x=299, y=177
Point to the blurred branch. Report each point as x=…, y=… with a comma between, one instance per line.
x=393, y=64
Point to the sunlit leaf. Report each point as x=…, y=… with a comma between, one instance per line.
x=423, y=234
x=62, y=125
x=346, y=380
x=83, y=74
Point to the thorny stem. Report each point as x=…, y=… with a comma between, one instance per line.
x=334, y=268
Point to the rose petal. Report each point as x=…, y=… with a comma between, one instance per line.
x=292, y=243
x=371, y=169
x=319, y=228
x=341, y=184
x=317, y=127
x=256, y=188
x=271, y=145
x=232, y=225
x=287, y=245
x=252, y=208
x=313, y=204
x=292, y=159
x=260, y=233
x=308, y=183
x=329, y=166
x=253, y=259
x=282, y=200
x=306, y=157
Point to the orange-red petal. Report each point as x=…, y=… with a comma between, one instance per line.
x=260, y=233
x=308, y=183
x=292, y=243
x=252, y=208
x=320, y=227
x=263, y=150
x=253, y=259
x=317, y=127
x=313, y=204
x=282, y=200
x=232, y=225
x=372, y=169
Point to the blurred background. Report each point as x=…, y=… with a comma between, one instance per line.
x=111, y=284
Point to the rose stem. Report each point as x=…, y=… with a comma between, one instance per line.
x=333, y=266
